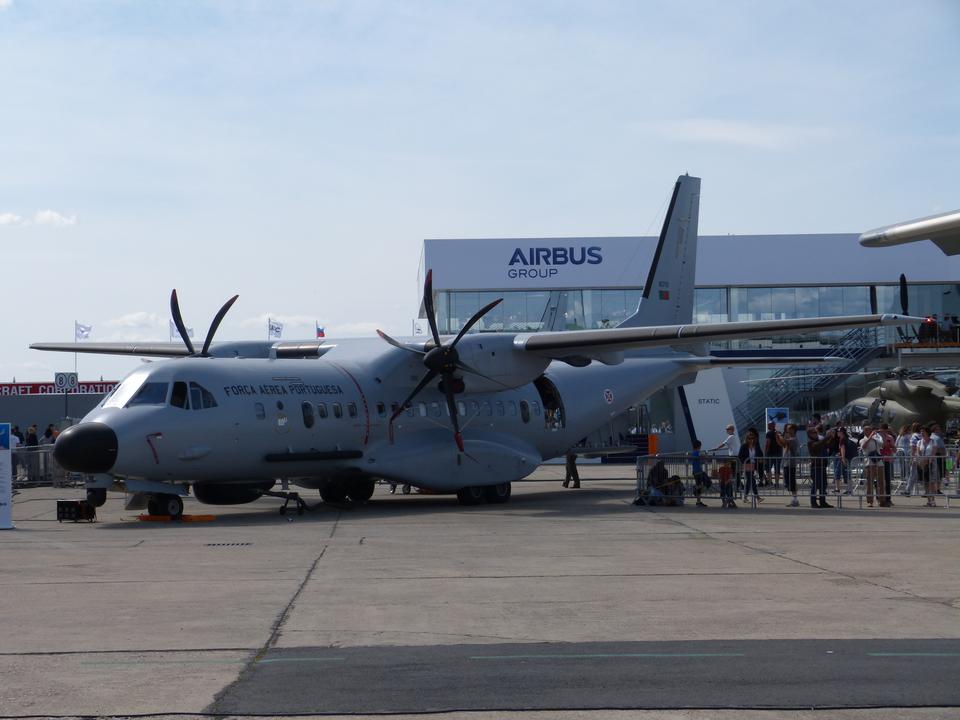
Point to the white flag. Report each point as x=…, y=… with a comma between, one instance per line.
x=274, y=329
x=81, y=331
x=174, y=333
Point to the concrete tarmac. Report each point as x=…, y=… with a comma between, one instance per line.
x=561, y=603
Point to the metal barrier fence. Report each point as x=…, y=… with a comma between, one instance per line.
x=35, y=467
x=861, y=478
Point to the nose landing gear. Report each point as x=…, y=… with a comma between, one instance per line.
x=288, y=496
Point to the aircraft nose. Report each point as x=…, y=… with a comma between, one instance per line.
x=86, y=448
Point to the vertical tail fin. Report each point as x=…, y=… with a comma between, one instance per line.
x=667, y=297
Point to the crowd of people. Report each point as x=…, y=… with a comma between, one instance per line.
x=917, y=454
x=31, y=439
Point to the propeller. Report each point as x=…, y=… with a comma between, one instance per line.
x=182, y=328
x=441, y=361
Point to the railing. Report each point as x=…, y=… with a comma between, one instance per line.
x=35, y=467
x=860, y=479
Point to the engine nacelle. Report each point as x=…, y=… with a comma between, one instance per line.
x=230, y=493
x=496, y=356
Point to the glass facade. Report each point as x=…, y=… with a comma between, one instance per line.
x=524, y=311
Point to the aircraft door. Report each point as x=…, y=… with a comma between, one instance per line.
x=553, y=412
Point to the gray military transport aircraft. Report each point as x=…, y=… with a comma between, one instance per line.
x=467, y=415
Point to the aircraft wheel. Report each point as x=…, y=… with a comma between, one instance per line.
x=472, y=495
x=497, y=493
x=335, y=491
x=361, y=490
x=97, y=496
x=170, y=505
x=405, y=490
x=153, y=507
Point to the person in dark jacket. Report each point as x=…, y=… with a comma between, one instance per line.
x=817, y=447
x=751, y=457
x=572, y=476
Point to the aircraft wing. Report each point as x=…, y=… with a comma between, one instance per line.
x=600, y=343
x=242, y=348
x=145, y=349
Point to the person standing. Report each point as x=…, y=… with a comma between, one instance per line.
x=700, y=479
x=772, y=453
x=870, y=445
x=940, y=452
x=729, y=447
x=926, y=466
x=817, y=447
x=791, y=451
x=903, y=457
x=571, y=475
x=841, y=467
x=888, y=449
x=750, y=457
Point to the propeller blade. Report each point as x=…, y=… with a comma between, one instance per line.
x=466, y=368
x=904, y=299
x=216, y=324
x=431, y=374
x=428, y=306
x=476, y=316
x=398, y=344
x=452, y=407
x=178, y=321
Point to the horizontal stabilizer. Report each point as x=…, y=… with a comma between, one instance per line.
x=943, y=229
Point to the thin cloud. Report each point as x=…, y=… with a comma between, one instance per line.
x=5, y=4
x=52, y=217
x=760, y=136
x=41, y=217
x=357, y=329
x=287, y=320
x=133, y=326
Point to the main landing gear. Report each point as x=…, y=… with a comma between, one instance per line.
x=474, y=495
x=163, y=504
x=288, y=496
x=359, y=490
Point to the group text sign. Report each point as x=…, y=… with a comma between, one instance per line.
x=541, y=263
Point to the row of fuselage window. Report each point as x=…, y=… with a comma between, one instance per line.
x=501, y=408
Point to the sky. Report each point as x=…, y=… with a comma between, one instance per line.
x=298, y=153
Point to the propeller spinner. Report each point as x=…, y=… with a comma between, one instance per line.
x=441, y=360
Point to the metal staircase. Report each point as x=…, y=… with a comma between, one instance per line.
x=852, y=352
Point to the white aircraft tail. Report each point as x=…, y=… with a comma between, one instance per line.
x=667, y=297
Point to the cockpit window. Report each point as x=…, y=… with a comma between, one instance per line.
x=200, y=397
x=152, y=393
x=178, y=398
x=125, y=390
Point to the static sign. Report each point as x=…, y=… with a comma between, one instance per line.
x=6, y=479
x=525, y=263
